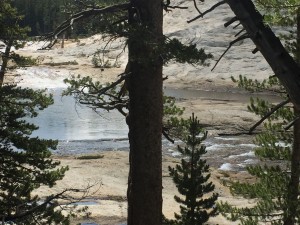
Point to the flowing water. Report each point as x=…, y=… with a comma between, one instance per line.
x=80, y=130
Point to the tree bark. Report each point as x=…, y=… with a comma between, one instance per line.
x=283, y=65
x=5, y=58
x=145, y=113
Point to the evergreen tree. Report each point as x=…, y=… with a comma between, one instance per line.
x=277, y=177
x=25, y=163
x=192, y=179
x=137, y=90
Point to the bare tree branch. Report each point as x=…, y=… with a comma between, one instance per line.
x=207, y=11
x=238, y=33
x=255, y=50
x=244, y=36
x=236, y=25
x=196, y=7
x=82, y=15
x=167, y=5
x=231, y=21
x=268, y=115
x=123, y=76
x=290, y=124
x=166, y=135
x=47, y=201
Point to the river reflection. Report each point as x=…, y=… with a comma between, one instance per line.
x=67, y=121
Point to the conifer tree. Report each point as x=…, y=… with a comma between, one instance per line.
x=137, y=90
x=277, y=183
x=25, y=163
x=191, y=177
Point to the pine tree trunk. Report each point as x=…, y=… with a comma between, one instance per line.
x=5, y=58
x=293, y=188
x=145, y=113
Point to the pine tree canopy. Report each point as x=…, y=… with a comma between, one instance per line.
x=191, y=178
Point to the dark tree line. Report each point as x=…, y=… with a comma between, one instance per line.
x=44, y=16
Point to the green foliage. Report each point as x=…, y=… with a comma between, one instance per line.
x=25, y=163
x=271, y=84
x=271, y=189
x=174, y=49
x=282, y=13
x=98, y=96
x=24, y=160
x=22, y=61
x=192, y=180
x=100, y=60
x=272, y=177
x=175, y=126
x=10, y=30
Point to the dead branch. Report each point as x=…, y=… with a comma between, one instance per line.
x=108, y=106
x=62, y=195
x=167, y=5
x=234, y=134
x=244, y=36
x=236, y=25
x=273, y=110
x=196, y=7
x=238, y=33
x=255, y=50
x=80, y=16
x=290, y=124
x=207, y=11
x=174, y=7
x=114, y=84
x=231, y=21
x=166, y=135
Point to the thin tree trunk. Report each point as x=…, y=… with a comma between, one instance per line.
x=5, y=59
x=145, y=113
x=283, y=65
x=293, y=188
x=63, y=41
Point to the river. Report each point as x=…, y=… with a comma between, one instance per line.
x=80, y=130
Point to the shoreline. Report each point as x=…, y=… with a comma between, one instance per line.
x=108, y=204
